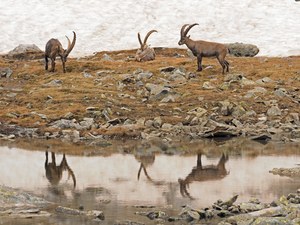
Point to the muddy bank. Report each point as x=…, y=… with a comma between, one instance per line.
x=109, y=95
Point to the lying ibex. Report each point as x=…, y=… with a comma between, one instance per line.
x=54, y=172
x=203, y=173
x=145, y=53
x=204, y=48
x=54, y=48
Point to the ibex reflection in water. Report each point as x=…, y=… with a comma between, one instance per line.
x=203, y=173
x=147, y=160
x=54, y=48
x=54, y=172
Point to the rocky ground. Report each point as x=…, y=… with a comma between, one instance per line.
x=109, y=95
x=20, y=206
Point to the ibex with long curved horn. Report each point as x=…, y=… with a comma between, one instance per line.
x=203, y=173
x=54, y=172
x=54, y=48
x=145, y=53
x=204, y=48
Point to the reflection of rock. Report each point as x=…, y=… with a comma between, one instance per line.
x=288, y=172
x=242, y=50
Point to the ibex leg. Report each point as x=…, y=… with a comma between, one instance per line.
x=52, y=65
x=199, y=62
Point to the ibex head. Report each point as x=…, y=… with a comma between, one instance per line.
x=144, y=44
x=184, y=32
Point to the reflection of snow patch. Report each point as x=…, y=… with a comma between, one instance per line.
x=113, y=25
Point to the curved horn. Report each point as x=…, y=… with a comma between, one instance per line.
x=182, y=29
x=71, y=45
x=147, y=36
x=188, y=29
x=140, y=40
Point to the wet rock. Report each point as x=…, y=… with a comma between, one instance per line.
x=95, y=214
x=5, y=72
x=250, y=207
x=288, y=172
x=242, y=50
x=156, y=215
x=128, y=223
x=26, y=51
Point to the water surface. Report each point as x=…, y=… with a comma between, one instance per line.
x=116, y=180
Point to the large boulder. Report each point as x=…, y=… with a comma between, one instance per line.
x=26, y=51
x=242, y=50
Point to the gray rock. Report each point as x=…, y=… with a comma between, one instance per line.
x=72, y=135
x=53, y=83
x=264, y=80
x=157, y=122
x=167, y=69
x=208, y=86
x=65, y=124
x=106, y=57
x=156, y=89
x=5, y=72
x=26, y=51
x=281, y=92
x=242, y=50
x=274, y=111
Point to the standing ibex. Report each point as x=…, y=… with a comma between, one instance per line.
x=54, y=172
x=204, y=48
x=145, y=53
x=54, y=48
x=203, y=173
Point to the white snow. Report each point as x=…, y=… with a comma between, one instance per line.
x=274, y=26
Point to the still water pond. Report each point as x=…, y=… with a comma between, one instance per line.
x=116, y=177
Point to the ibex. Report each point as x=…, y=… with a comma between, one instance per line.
x=54, y=172
x=145, y=53
x=203, y=173
x=54, y=48
x=204, y=48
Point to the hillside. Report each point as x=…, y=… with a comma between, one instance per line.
x=110, y=95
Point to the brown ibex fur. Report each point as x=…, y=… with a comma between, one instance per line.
x=145, y=53
x=204, y=48
x=54, y=172
x=54, y=48
x=203, y=173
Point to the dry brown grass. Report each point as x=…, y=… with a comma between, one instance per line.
x=77, y=92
